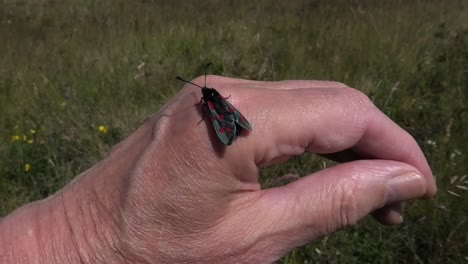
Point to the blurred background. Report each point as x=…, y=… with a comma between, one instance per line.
x=78, y=76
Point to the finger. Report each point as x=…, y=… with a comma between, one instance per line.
x=371, y=144
x=386, y=140
x=224, y=82
x=322, y=120
x=325, y=121
x=220, y=82
x=337, y=197
x=390, y=214
x=352, y=190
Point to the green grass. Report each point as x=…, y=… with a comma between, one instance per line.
x=67, y=68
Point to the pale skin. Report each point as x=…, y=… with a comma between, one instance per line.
x=172, y=193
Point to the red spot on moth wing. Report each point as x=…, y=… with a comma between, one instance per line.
x=225, y=129
x=232, y=109
x=210, y=105
x=219, y=117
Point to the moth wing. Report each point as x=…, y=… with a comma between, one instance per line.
x=242, y=121
x=224, y=126
x=238, y=117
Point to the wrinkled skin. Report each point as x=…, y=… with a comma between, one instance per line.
x=172, y=193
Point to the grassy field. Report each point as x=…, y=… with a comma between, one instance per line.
x=70, y=71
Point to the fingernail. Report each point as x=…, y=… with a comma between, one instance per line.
x=405, y=187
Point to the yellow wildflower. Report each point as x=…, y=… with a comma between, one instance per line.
x=25, y=138
x=31, y=141
x=32, y=131
x=103, y=129
x=27, y=167
x=15, y=138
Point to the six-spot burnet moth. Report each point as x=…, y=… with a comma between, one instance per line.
x=227, y=121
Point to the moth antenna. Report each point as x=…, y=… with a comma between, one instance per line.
x=179, y=78
x=206, y=66
x=205, y=75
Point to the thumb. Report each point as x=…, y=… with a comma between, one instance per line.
x=337, y=197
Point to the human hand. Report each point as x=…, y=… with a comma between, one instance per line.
x=171, y=192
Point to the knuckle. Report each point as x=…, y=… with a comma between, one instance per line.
x=337, y=84
x=346, y=203
x=358, y=98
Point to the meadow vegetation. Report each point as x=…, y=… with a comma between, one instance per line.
x=77, y=76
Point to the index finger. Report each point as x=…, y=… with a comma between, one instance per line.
x=384, y=139
x=321, y=117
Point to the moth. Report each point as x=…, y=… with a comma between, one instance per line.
x=227, y=121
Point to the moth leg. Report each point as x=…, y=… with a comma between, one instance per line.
x=203, y=111
x=226, y=97
x=201, y=101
